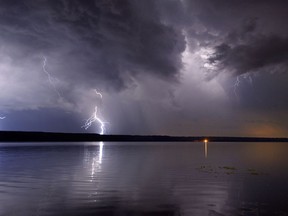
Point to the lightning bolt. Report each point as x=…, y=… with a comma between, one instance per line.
x=238, y=82
x=98, y=93
x=236, y=85
x=94, y=118
x=51, y=79
x=249, y=77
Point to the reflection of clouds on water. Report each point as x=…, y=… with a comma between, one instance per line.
x=137, y=179
x=156, y=175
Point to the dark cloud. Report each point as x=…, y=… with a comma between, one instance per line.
x=244, y=36
x=133, y=51
x=259, y=53
x=107, y=38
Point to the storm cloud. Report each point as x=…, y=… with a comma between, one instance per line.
x=258, y=54
x=106, y=39
x=163, y=66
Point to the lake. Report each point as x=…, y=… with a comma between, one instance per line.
x=143, y=179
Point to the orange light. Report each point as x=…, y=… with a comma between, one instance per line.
x=206, y=140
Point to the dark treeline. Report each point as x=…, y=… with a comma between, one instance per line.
x=21, y=136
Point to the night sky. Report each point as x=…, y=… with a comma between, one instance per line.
x=175, y=67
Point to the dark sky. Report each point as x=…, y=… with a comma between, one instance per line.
x=177, y=67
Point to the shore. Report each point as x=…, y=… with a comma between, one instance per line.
x=32, y=136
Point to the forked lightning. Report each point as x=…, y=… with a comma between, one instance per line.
x=238, y=82
x=94, y=118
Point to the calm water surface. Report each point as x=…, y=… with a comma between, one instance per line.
x=144, y=179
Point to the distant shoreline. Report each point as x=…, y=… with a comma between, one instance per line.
x=23, y=136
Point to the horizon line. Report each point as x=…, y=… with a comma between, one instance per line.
x=40, y=136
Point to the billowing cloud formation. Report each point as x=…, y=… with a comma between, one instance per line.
x=243, y=36
x=106, y=39
x=163, y=66
x=258, y=54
